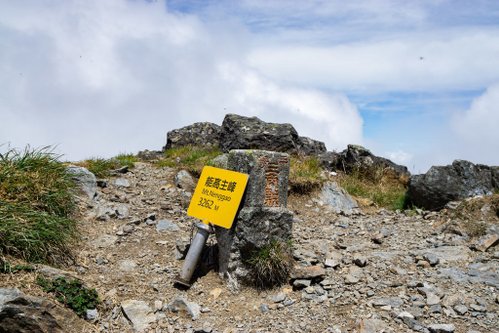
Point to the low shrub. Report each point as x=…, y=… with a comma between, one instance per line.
x=71, y=293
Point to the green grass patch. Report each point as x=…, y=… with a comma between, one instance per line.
x=191, y=158
x=71, y=293
x=305, y=174
x=104, y=167
x=36, y=204
x=7, y=268
x=383, y=191
x=271, y=265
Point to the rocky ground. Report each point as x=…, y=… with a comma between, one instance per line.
x=380, y=271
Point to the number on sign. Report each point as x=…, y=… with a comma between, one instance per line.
x=203, y=202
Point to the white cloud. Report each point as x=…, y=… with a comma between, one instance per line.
x=452, y=60
x=477, y=135
x=400, y=157
x=103, y=77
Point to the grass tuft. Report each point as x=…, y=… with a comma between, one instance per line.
x=305, y=174
x=271, y=265
x=103, y=167
x=71, y=293
x=191, y=158
x=377, y=186
x=36, y=204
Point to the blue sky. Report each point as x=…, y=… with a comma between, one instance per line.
x=414, y=81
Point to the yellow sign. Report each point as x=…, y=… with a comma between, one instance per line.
x=217, y=196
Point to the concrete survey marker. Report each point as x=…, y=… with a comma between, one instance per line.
x=217, y=196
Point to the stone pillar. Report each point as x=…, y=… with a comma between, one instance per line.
x=263, y=216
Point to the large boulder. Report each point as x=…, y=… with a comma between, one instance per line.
x=240, y=132
x=359, y=159
x=197, y=134
x=23, y=313
x=441, y=184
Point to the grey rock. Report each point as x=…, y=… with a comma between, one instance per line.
x=239, y=132
x=280, y=297
x=442, y=184
x=185, y=181
x=441, y=328
x=354, y=275
x=394, y=302
x=264, y=308
x=104, y=241
x=166, y=225
x=182, y=305
x=308, y=146
x=359, y=159
x=460, y=309
x=487, y=241
x=127, y=265
x=24, y=313
x=435, y=308
x=360, y=260
x=84, y=179
x=122, y=211
x=337, y=198
x=149, y=155
x=448, y=254
x=308, y=272
x=92, y=315
x=105, y=212
x=198, y=134
x=121, y=182
x=432, y=299
x=139, y=313
x=431, y=258
x=301, y=283
x=371, y=326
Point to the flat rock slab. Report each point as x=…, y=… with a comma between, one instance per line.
x=139, y=313
x=308, y=273
x=166, y=225
x=182, y=305
x=104, y=241
x=448, y=253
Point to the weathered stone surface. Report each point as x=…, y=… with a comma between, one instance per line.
x=487, y=241
x=182, y=305
x=442, y=184
x=441, y=328
x=139, y=313
x=121, y=182
x=149, y=155
x=268, y=176
x=241, y=132
x=337, y=198
x=371, y=326
x=308, y=146
x=197, y=134
x=84, y=179
x=263, y=217
x=254, y=228
x=166, y=225
x=25, y=314
x=357, y=158
x=308, y=272
x=185, y=181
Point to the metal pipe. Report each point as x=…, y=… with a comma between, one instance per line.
x=193, y=254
